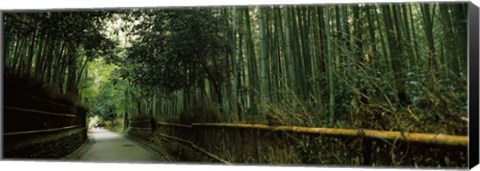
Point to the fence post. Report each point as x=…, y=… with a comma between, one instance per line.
x=153, y=124
x=125, y=121
x=367, y=151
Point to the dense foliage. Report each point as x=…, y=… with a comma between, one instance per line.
x=390, y=67
x=379, y=66
x=400, y=67
x=54, y=46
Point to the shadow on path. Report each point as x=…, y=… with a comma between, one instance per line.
x=111, y=147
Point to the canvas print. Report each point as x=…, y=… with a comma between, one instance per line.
x=344, y=85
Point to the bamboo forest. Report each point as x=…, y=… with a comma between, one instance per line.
x=324, y=85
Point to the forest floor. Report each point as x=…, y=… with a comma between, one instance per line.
x=106, y=146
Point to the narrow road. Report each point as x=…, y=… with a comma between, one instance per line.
x=111, y=147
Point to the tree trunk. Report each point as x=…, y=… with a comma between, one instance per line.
x=72, y=72
x=252, y=69
x=263, y=60
x=234, y=73
x=288, y=52
x=330, y=69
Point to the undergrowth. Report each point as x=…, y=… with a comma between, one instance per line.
x=35, y=86
x=430, y=109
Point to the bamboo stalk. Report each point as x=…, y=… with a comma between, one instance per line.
x=423, y=138
x=40, y=131
x=174, y=124
x=41, y=112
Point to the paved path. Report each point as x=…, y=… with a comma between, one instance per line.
x=111, y=147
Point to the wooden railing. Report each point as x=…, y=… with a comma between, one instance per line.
x=436, y=139
x=257, y=143
x=31, y=122
x=42, y=130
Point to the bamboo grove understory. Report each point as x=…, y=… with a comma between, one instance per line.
x=356, y=65
x=387, y=67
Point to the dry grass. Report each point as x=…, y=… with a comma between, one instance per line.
x=435, y=112
x=429, y=115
